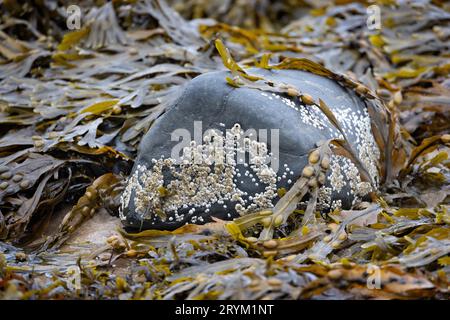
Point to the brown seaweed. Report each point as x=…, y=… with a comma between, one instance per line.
x=74, y=105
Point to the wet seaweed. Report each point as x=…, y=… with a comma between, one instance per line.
x=74, y=106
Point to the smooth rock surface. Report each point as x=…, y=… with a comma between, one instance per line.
x=152, y=197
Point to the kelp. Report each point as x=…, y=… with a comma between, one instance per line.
x=74, y=105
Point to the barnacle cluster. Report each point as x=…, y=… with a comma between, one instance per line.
x=309, y=115
x=206, y=174
x=344, y=172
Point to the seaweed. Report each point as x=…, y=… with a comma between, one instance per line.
x=74, y=105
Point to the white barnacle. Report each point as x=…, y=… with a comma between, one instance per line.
x=336, y=204
x=324, y=197
x=336, y=178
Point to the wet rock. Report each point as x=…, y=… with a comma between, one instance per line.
x=263, y=139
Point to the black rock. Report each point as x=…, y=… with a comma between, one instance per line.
x=165, y=193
